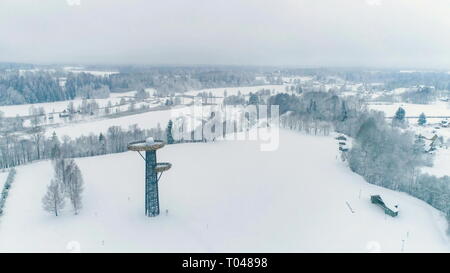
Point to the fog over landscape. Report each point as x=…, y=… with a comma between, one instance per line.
x=220, y=126
x=379, y=33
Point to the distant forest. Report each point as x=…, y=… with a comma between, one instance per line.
x=53, y=83
x=47, y=85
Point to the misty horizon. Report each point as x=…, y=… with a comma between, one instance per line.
x=329, y=33
x=256, y=127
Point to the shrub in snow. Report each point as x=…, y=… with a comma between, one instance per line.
x=6, y=187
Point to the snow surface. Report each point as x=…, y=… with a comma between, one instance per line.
x=226, y=196
x=245, y=90
x=435, y=109
x=440, y=163
x=93, y=72
x=145, y=120
x=59, y=106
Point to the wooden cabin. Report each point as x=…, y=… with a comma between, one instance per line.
x=63, y=114
x=377, y=200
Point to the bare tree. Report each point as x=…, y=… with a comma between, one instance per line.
x=53, y=200
x=60, y=165
x=38, y=134
x=74, y=186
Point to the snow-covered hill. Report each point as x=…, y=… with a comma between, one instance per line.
x=222, y=197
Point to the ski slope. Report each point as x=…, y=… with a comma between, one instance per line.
x=225, y=196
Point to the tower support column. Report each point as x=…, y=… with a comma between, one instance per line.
x=151, y=185
x=152, y=168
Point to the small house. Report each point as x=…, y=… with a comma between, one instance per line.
x=431, y=144
x=436, y=142
x=389, y=210
x=63, y=114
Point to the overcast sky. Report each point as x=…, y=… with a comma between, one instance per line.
x=382, y=33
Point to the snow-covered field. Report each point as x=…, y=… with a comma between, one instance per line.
x=79, y=69
x=226, y=196
x=146, y=120
x=436, y=109
x=59, y=106
x=94, y=125
x=441, y=165
x=442, y=155
x=291, y=79
x=245, y=90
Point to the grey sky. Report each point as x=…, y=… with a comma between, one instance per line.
x=400, y=33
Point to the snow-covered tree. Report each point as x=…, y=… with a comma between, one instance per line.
x=170, y=139
x=102, y=142
x=55, y=147
x=53, y=200
x=141, y=94
x=38, y=134
x=254, y=99
x=344, y=113
x=71, y=108
x=108, y=108
x=422, y=119
x=70, y=180
x=60, y=166
x=132, y=106
x=399, y=118
x=74, y=186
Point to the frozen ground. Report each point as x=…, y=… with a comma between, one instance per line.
x=226, y=196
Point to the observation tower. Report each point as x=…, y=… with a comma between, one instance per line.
x=153, y=172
